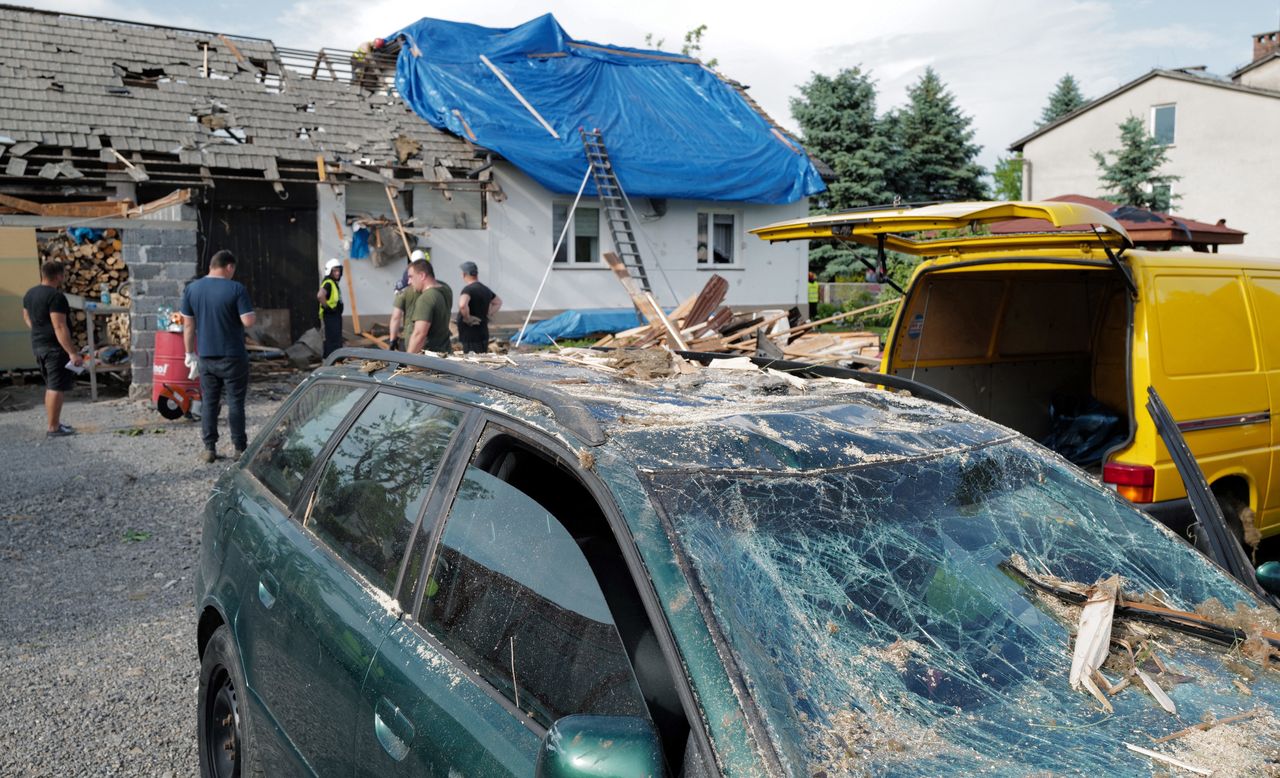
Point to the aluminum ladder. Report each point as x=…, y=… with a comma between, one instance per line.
x=614, y=203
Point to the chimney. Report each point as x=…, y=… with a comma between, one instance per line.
x=1264, y=44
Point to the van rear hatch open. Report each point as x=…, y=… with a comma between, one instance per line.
x=1030, y=330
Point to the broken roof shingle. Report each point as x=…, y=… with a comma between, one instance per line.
x=38, y=48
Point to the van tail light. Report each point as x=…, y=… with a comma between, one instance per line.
x=1135, y=483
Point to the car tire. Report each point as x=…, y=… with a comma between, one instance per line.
x=222, y=710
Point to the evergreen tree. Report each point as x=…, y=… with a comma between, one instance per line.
x=1066, y=98
x=1008, y=177
x=937, y=151
x=1134, y=177
x=837, y=116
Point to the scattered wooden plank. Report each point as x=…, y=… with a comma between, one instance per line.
x=1159, y=757
x=516, y=93
x=391, y=198
x=351, y=296
x=845, y=315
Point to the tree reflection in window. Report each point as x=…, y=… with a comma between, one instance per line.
x=287, y=454
x=373, y=486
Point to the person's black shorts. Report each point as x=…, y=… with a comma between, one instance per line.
x=53, y=369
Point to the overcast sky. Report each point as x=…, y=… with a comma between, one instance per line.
x=1000, y=59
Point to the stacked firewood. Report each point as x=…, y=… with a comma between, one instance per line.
x=90, y=265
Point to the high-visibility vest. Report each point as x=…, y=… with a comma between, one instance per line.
x=813, y=291
x=333, y=299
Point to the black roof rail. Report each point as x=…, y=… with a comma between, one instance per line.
x=567, y=409
x=830, y=371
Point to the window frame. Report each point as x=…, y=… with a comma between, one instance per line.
x=299, y=510
x=287, y=509
x=710, y=263
x=569, y=247
x=554, y=451
x=1155, y=109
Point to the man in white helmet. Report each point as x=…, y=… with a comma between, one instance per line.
x=405, y=297
x=331, y=306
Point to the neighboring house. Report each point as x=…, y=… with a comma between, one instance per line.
x=286, y=151
x=1147, y=229
x=1221, y=136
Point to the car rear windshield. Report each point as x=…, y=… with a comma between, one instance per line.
x=871, y=612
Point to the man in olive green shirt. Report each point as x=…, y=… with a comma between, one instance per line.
x=429, y=327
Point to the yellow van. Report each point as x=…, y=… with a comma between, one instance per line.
x=1058, y=334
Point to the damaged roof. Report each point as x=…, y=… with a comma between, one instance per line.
x=80, y=82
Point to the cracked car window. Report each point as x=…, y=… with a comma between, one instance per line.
x=877, y=633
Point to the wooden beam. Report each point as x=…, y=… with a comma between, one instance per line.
x=391, y=198
x=351, y=295
x=516, y=93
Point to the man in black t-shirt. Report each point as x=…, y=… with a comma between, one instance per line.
x=477, y=304
x=45, y=310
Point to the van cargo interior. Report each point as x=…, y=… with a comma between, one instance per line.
x=1041, y=351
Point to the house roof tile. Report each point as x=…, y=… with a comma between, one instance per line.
x=41, y=47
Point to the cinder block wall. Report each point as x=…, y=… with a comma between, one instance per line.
x=161, y=256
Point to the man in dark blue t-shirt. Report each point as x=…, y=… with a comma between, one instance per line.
x=215, y=311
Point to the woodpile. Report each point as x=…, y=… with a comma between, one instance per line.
x=703, y=323
x=90, y=265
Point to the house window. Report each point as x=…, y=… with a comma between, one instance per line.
x=716, y=234
x=1162, y=123
x=582, y=244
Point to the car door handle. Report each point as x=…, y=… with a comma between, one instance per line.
x=267, y=588
x=393, y=728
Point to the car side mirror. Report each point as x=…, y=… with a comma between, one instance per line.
x=1268, y=575
x=585, y=746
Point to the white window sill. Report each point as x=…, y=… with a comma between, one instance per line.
x=579, y=266
x=717, y=268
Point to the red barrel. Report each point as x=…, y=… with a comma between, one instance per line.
x=168, y=367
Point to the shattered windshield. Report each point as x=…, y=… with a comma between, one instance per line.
x=870, y=611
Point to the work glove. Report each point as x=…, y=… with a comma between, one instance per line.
x=192, y=363
x=394, y=344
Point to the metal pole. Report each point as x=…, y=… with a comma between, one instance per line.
x=563, y=232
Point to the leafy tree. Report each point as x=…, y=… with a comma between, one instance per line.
x=837, y=116
x=1008, y=177
x=938, y=156
x=1066, y=97
x=692, y=46
x=1133, y=177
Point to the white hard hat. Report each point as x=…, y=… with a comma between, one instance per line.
x=418, y=254
x=331, y=264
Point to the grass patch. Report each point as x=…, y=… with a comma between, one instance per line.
x=136, y=535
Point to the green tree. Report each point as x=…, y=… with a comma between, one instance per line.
x=1008, y=177
x=1066, y=97
x=1133, y=176
x=692, y=46
x=938, y=156
x=837, y=117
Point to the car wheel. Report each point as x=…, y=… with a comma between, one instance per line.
x=222, y=716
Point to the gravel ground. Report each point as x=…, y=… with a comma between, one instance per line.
x=98, y=537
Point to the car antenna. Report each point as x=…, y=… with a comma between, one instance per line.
x=1116, y=263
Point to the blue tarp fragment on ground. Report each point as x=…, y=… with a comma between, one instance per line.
x=579, y=324
x=673, y=128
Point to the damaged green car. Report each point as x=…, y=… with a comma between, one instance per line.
x=591, y=565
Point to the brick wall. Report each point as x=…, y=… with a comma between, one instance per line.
x=161, y=259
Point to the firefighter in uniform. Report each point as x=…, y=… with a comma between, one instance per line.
x=331, y=306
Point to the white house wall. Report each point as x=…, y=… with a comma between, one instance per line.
x=513, y=252
x=1224, y=149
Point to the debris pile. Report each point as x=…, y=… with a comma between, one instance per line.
x=703, y=322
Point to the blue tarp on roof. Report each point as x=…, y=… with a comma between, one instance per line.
x=673, y=128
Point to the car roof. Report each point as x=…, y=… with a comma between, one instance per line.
x=661, y=412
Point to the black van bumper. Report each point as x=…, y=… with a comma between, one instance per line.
x=1174, y=514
